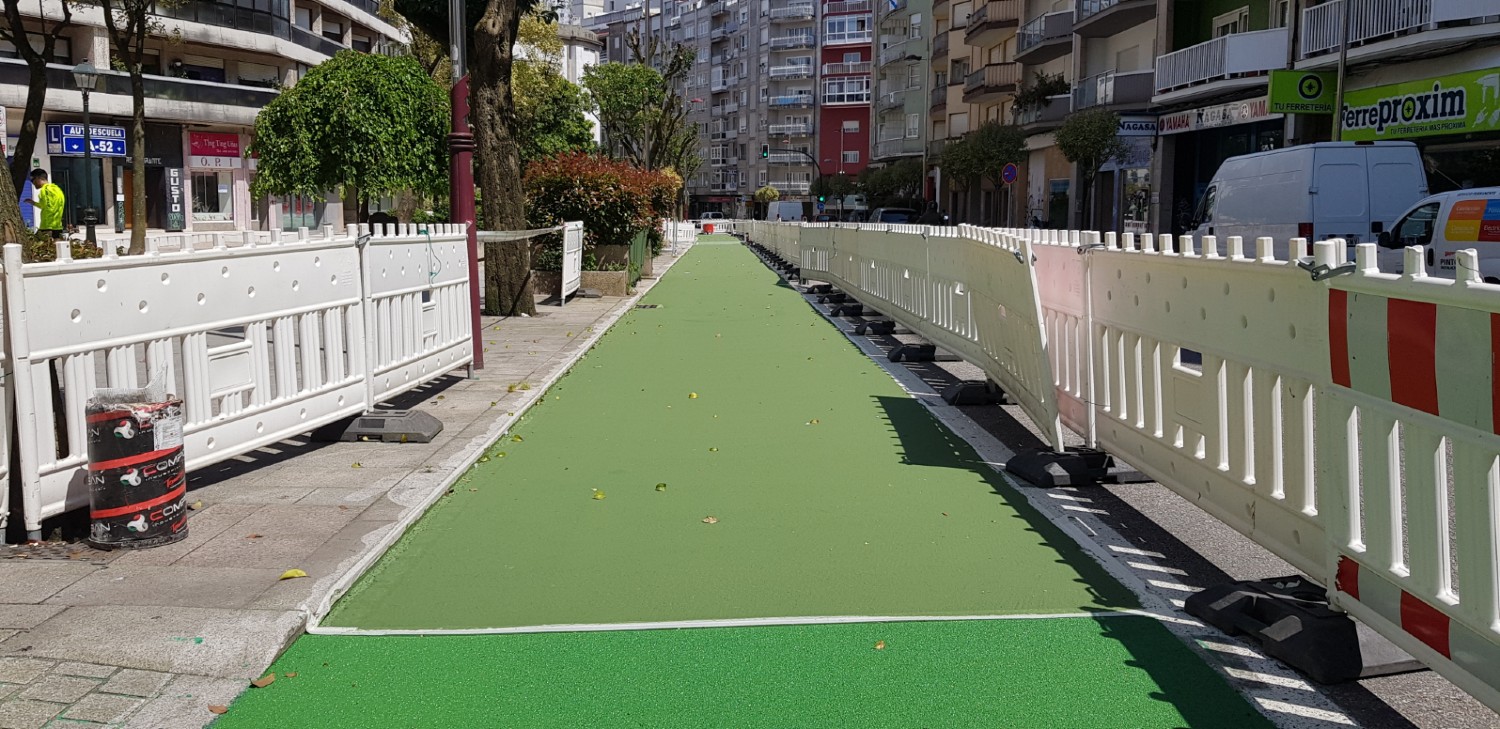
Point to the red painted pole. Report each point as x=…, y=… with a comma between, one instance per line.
x=461, y=201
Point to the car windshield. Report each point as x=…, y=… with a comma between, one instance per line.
x=897, y=216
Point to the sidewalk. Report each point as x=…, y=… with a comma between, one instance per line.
x=151, y=639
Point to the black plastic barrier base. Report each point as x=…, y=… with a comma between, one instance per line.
x=1075, y=467
x=1291, y=619
x=975, y=392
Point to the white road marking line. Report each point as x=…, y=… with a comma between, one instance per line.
x=1084, y=509
x=1065, y=497
x=1158, y=568
x=1268, y=679
x=1231, y=649
x=1137, y=552
x=1307, y=712
x=1173, y=586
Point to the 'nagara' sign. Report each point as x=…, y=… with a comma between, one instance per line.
x=1462, y=103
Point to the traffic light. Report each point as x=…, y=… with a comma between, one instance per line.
x=822, y=198
x=765, y=151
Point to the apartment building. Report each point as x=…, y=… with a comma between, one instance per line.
x=1244, y=75
x=843, y=134
x=216, y=63
x=902, y=59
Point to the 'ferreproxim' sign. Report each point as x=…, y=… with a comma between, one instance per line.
x=1462, y=103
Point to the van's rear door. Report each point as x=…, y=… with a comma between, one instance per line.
x=1397, y=181
x=1341, y=194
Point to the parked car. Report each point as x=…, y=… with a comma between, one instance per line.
x=784, y=210
x=1447, y=223
x=893, y=215
x=823, y=218
x=1349, y=190
x=711, y=216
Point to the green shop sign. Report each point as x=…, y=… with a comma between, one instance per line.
x=1301, y=92
x=1462, y=103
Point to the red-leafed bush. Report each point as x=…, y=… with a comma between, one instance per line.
x=614, y=199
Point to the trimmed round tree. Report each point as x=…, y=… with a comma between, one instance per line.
x=371, y=123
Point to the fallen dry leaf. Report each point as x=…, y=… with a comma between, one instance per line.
x=517, y=438
x=355, y=465
x=217, y=709
x=661, y=487
x=598, y=495
x=264, y=681
x=291, y=674
x=710, y=520
x=713, y=450
x=253, y=536
x=196, y=505
x=343, y=507
x=692, y=396
x=292, y=574
x=879, y=645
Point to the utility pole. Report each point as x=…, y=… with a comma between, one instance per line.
x=1338, y=94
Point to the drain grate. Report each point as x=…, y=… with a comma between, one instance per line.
x=647, y=306
x=58, y=551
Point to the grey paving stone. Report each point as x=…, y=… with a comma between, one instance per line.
x=323, y=566
x=25, y=617
x=233, y=643
x=203, y=526
x=263, y=494
x=131, y=682
x=218, y=587
x=87, y=670
x=103, y=708
x=184, y=703
x=27, y=714
x=32, y=582
x=23, y=670
x=61, y=689
x=9, y=689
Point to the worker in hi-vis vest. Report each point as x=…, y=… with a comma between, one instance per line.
x=50, y=199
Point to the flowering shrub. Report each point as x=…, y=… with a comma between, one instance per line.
x=614, y=199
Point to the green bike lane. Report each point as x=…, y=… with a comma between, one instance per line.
x=726, y=456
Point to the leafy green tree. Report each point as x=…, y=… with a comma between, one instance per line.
x=13, y=31
x=764, y=197
x=1090, y=139
x=550, y=110
x=982, y=154
x=373, y=123
x=896, y=183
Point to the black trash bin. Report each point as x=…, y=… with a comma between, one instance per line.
x=137, y=471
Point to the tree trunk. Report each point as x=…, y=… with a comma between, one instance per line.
x=12, y=227
x=508, y=286
x=137, y=160
x=31, y=121
x=406, y=206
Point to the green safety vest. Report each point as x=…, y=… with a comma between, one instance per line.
x=50, y=198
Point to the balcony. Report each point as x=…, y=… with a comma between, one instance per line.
x=719, y=161
x=841, y=69
x=1046, y=38
x=797, y=129
x=158, y=89
x=990, y=21
x=1378, y=27
x=846, y=7
x=890, y=7
x=722, y=109
x=793, y=101
x=939, y=46
x=722, y=32
x=935, y=149
x=723, y=84
x=938, y=99
x=1104, y=18
x=892, y=100
x=857, y=96
x=795, y=40
x=719, y=7
x=1222, y=64
x=720, y=135
x=793, y=71
x=789, y=158
x=725, y=187
x=888, y=148
x=1046, y=117
x=796, y=13
x=850, y=37
x=909, y=49
x=1115, y=90
x=790, y=186
x=991, y=82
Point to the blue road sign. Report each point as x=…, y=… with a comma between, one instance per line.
x=67, y=139
x=821, y=206
x=1010, y=173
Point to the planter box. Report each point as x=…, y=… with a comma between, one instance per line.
x=612, y=254
x=546, y=283
x=608, y=283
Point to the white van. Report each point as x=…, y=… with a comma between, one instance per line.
x=1349, y=190
x=1447, y=223
x=788, y=210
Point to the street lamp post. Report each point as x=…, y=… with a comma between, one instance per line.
x=461, y=169
x=86, y=77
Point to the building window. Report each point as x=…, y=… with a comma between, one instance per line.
x=304, y=19
x=213, y=195
x=851, y=157
x=846, y=90
x=333, y=30
x=851, y=125
x=913, y=125
x=1237, y=21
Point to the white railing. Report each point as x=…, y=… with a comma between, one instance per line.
x=1224, y=57
x=791, y=186
x=795, y=40
x=572, y=261
x=1052, y=26
x=262, y=341
x=1333, y=422
x=790, y=130
x=788, y=158
x=835, y=69
x=1377, y=19
x=847, y=37
x=793, y=100
x=840, y=7
x=897, y=147
x=897, y=51
x=801, y=70
x=798, y=11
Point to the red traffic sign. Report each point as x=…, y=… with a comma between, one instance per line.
x=1010, y=173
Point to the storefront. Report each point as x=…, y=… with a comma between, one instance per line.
x=216, y=173
x=1453, y=118
x=1123, y=187
x=1199, y=140
x=65, y=141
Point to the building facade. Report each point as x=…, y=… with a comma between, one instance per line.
x=207, y=75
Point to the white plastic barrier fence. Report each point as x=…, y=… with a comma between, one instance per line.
x=572, y=261
x=262, y=341
x=679, y=235
x=1350, y=424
